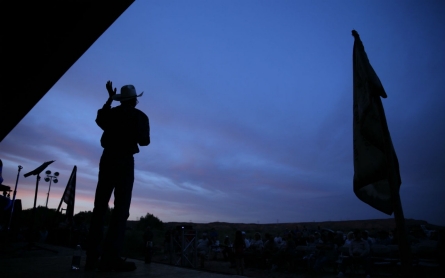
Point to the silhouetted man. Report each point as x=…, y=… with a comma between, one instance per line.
x=124, y=128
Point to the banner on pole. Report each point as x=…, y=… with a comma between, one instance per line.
x=69, y=195
x=376, y=168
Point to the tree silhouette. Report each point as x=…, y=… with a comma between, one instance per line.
x=149, y=220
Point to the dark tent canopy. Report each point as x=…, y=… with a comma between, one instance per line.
x=41, y=41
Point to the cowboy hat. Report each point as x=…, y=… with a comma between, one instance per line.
x=127, y=92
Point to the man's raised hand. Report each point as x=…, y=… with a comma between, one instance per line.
x=111, y=91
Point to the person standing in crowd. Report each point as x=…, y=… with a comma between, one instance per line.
x=203, y=248
x=239, y=246
x=148, y=240
x=359, y=251
x=227, y=249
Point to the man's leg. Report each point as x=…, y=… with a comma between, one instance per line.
x=124, y=178
x=103, y=194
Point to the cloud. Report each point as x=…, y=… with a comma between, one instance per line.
x=251, y=119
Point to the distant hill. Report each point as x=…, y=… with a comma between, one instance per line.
x=372, y=225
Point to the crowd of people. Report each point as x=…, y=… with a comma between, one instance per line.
x=314, y=251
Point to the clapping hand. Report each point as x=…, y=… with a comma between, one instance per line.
x=111, y=91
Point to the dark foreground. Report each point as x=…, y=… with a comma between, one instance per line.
x=20, y=261
x=43, y=263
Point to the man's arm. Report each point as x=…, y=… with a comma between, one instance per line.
x=101, y=113
x=143, y=130
x=101, y=118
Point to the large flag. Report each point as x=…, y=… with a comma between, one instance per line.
x=69, y=195
x=376, y=168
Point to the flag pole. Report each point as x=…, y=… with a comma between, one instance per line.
x=399, y=218
x=367, y=78
x=402, y=241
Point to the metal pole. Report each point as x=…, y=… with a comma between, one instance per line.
x=182, y=248
x=37, y=189
x=402, y=241
x=34, y=207
x=47, y=195
x=13, y=197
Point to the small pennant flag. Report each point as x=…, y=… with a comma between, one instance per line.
x=69, y=195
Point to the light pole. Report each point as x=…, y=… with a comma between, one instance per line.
x=50, y=179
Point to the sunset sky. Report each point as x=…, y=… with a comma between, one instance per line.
x=250, y=108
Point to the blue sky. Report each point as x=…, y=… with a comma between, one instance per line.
x=250, y=107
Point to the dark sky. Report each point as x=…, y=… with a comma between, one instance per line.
x=250, y=106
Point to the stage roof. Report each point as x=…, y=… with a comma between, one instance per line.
x=41, y=41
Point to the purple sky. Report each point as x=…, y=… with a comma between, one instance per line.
x=250, y=107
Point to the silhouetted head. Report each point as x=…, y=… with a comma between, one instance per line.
x=257, y=236
x=238, y=234
x=365, y=234
x=357, y=234
x=127, y=96
x=131, y=102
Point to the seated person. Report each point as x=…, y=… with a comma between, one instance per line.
x=359, y=251
x=253, y=253
x=349, y=238
x=227, y=249
x=291, y=247
x=317, y=238
x=326, y=251
x=256, y=244
x=246, y=240
x=384, y=238
x=279, y=243
x=5, y=202
x=269, y=244
x=339, y=238
x=213, y=236
x=269, y=249
x=365, y=236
